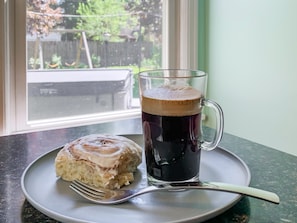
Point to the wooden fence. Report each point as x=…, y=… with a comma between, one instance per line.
x=109, y=53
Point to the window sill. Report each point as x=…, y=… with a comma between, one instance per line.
x=81, y=120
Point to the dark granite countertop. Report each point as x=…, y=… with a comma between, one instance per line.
x=270, y=170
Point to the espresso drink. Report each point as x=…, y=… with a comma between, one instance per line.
x=171, y=126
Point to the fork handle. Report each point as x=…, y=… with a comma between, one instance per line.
x=218, y=186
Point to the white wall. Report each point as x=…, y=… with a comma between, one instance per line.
x=251, y=59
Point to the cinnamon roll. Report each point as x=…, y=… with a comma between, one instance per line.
x=99, y=160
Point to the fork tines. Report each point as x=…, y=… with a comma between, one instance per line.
x=86, y=190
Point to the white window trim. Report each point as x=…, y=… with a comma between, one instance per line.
x=180, y=36
x=180, y=50
x=2, y=69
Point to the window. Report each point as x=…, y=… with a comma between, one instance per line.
x=79, y=73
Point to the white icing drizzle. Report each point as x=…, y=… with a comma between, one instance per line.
x=103, y=150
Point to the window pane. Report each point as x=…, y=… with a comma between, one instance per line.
x=83, y=56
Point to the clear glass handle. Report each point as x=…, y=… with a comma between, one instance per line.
x=219, y=125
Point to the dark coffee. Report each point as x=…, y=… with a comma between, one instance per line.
x=171, y=127
x=172, y=146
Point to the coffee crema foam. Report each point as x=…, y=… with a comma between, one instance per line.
x=171, y=100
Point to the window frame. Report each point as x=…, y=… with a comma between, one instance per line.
x=2, y=68
x=180, y=50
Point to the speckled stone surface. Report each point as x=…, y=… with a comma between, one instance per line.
x=270, y=169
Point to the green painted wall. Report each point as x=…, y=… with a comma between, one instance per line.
x=251, y=56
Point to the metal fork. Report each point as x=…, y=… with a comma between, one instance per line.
x=106, y=196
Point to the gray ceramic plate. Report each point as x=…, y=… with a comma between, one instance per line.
x=53, y=197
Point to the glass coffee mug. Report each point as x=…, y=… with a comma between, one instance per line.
x=171, y=103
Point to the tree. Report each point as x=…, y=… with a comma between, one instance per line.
x=101, y=17
x=70, y=18
x=149, y=14
x=42, y=16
